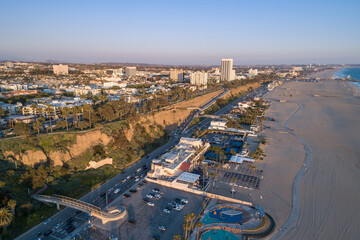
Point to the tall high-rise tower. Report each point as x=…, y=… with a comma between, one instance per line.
x=227, y=72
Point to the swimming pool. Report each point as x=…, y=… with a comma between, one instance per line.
x=226, y=215
x=218, y=234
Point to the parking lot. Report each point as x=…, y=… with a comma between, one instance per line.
x=144, y=219
x=149, y=218
x=242, y=180
x=221, y=139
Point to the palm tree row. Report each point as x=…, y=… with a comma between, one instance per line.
x=189, y=224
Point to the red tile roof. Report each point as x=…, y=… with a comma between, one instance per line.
x=185, y=166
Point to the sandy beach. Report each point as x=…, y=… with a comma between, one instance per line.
x=324, y=74
x=326, y=195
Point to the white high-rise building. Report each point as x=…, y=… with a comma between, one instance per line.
x=61, y=69
x=177, y=75
x=227, y=72
x=130, y=71
x=199, y=79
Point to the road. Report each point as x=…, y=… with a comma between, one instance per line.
x=120, y=181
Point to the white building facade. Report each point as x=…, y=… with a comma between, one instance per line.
x=130, y=71
x=199, y=79
x=227, y=72
x=61, y=69
x=177, y=75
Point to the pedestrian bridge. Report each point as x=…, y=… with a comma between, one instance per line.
x=105, y=216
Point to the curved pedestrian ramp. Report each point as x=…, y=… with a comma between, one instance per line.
x=104, y=216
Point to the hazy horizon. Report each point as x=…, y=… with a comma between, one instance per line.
x=181, y=32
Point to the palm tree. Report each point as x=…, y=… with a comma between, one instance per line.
x=186, y=224
x=233, y=180
x=222, y=157
x=217, y=166
x=66, y=113
x=76, y=111
x=102, y=98
x=49, y=110
x=192, y=217
x=10, y=122
x=204, y=170
x=198, y=225
x=253, y=168
x=88, y=108
x=12, y=204
x=214, y=175
x=2, y=112
x=5, y=216
x=177, y=237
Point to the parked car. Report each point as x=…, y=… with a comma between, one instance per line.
x=166, y=210
x=117, y=190
x=162, y=228
x=48, y=232
x=151, y=204
x=46, y=221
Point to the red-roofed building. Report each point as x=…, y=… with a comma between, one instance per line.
x=185, y=166
x=20, y=93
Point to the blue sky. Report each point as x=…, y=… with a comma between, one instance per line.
x=181, y=32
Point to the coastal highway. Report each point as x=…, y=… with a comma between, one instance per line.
x=121, y=181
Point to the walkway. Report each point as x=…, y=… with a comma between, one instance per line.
x=83, y=206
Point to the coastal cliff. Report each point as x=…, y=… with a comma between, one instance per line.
x=57, y=154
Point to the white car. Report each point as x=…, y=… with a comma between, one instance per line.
x=162, y=228
x=166, y=210
x=184, y=201
x=151, y=204
x=149, y=196
x=137, y=179
x=117, y=190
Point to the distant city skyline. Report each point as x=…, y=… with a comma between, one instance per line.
x=181, y=32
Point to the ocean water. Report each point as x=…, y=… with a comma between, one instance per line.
x=344, y=72
x=353, y=72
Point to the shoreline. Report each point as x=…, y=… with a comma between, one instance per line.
x=324, y=74
x=293, y=220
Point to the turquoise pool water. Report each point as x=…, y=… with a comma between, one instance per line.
x=218, y=234
x=221, y=216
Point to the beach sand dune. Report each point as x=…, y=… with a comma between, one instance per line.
x=329, y=190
